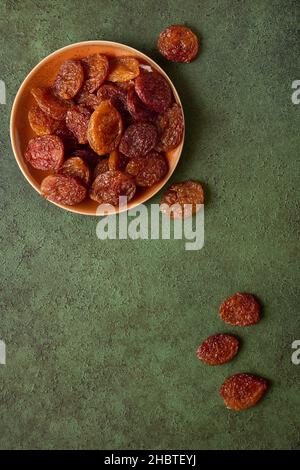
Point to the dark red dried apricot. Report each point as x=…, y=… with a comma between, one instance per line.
x=240, y=309
x=45, y=152
x=242, y=391
x=218, y=349
x=178, y=44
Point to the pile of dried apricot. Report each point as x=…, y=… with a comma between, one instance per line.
x=103, y=129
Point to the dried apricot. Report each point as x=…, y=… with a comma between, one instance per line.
x=138, y=109
x=182, y=200
x=218, y=349
x=148, y=170
x=88, y=155
x=178, y=44
x=138, y=139
x=105, y=128
x=123, y=69
x=109, y=186
x=242, y=391
x=117, y=161
x=170, y=128
x=69, y=79
x=49, y=103
x=77, y=120
x=154, y=91
x=76, y=167
x=85, y=98
x=45, y=152
x=240, y=310
x=116, y=95
x=63, y=189
x=96, y=69
x=101, y=167
x=40, y=122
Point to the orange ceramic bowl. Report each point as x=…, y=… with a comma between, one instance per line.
x=43, y=75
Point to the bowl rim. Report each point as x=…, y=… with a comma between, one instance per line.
x=39, y=65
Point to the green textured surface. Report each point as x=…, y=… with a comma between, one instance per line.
x=101, y=336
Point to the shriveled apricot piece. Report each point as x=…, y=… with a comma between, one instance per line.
x=96, y=68
x=45, y=152
x=63, y=189
x=76, y=167
x=117, y=160
x=101, y=167
x=109, y=186
x=105, y=128
x=69, y=79
x=242, y=391
x=154, y=91
x=138, y=139
x=178, y=43
x=40, y=122
x=87, y=99
x=181, y=199
x=218, y=349
x=77, y=121
x=123, y=69
x=240, y=309
x=170, y=127
x=52, y=105
x=148, y=170
x=138, y=109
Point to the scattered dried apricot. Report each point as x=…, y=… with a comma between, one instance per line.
x=240, y=310
x=242, y=391
x=182, y=200
x=218, y=349
x=178, y=44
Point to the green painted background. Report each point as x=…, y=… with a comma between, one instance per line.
x=101, y=336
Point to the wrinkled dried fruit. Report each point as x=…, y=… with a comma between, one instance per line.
x=148, y=170
x=181, y=199
x=101, y=167
x=89, y=100
x=154, y=91
x=69, y=79
x=138, y=139
x=123, y=69
x=241, y=391
x=63, y=189
x=96, y=69
x=138, y=109
x=218, y=349
x=52, y=105
x=240, y=310
x=117, y=161
x=76, y=167
x=178, y=44
x=45, y=152
x=105, y=128
x=170, y=127
x=77, y=120
x=40, y=122
x=116, y=95
x=109, y=186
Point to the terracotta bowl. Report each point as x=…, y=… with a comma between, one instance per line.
x=44, y=74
